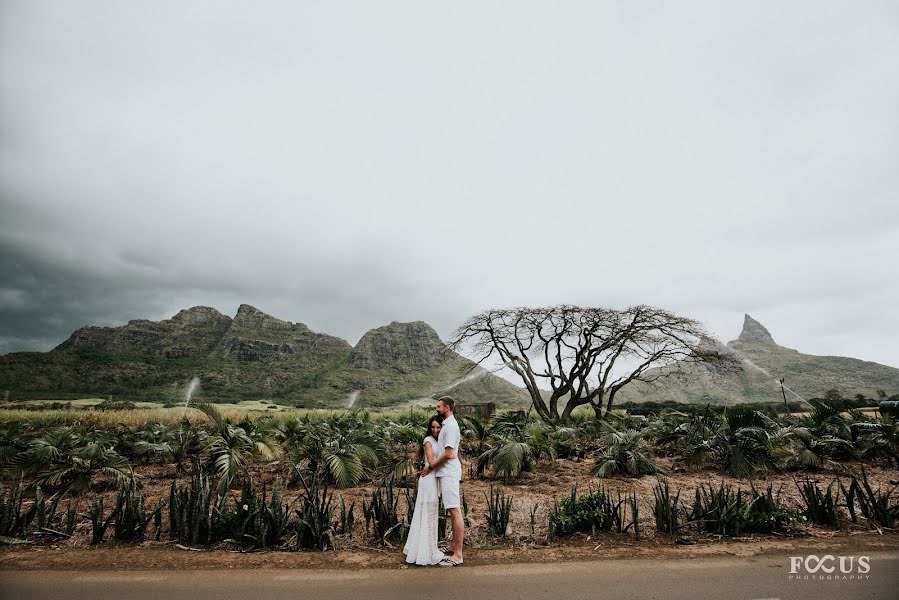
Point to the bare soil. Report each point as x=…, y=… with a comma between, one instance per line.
x=541, y=488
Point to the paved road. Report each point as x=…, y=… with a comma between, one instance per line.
x=712, y=578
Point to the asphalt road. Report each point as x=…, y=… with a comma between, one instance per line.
x=712, y=578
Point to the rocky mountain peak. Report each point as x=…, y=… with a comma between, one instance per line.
x=199, y=314
x=754, y=332
x=401, y=346
x=250, y=317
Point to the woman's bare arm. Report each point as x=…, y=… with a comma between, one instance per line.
x=429, y=453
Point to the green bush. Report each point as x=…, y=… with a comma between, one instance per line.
x=765, y=513
x=588, y=513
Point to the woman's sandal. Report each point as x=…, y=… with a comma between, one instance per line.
x=448, y=562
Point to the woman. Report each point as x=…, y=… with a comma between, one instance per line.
x=421, y=545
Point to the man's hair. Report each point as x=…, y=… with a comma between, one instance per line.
x=448, y=401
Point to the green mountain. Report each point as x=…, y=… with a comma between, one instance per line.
x=252, y=356
x=763, y=363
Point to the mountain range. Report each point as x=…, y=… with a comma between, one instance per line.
x=252, y=356
x=257, y=356
x=763, y=363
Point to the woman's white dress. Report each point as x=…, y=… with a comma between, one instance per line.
x=421, y=545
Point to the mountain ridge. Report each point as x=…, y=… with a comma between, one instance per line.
x=248, y=356
x=764, y=363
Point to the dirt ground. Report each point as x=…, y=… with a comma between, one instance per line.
x=540, y=488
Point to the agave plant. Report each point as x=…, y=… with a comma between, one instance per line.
x=627, y=452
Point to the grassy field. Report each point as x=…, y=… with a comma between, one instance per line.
x=84, y=410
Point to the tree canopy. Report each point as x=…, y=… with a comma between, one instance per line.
x=587, y=355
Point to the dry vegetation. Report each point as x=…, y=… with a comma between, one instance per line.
x=357, y=456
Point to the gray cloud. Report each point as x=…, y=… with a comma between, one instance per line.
x=346, y=165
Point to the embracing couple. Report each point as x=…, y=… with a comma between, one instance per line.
x=440, y=477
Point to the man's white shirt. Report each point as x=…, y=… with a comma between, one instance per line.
x=449, y=437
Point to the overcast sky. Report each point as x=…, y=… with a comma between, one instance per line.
x=346, y=164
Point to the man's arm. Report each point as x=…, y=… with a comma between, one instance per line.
x=449, y=453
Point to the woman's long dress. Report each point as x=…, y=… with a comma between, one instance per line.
x=421, y=545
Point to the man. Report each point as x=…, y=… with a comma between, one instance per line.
x=448, y=469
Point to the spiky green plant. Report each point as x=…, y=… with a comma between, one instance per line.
x=820, y=507
x=382, y=513
x=667, y=509
x=588, y=513
x=99, y=523
x=132, y=518
x=314, y=524
x=499, y=511
x=190, y=520
x=877, y=506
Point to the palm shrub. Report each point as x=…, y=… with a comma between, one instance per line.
x=827, y=424
x=879, y=439
x=63, y=459
x=402, y=441
x=499, y=510
x=147, y=443
x=185, y=442
x=230, y=447
x=625, y=452
x=739, y=440
x=518, y=445
x=343, y=446
x=12, y=442
x=811, y=451
x=820, y=507
x=475, y=434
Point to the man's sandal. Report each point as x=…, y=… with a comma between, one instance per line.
x=445, y=551
x=448, y=562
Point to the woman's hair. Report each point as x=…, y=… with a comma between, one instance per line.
x=421, y=448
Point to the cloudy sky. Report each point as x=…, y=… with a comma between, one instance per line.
x=346, y=164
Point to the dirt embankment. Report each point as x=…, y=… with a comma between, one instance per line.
x=540, y=488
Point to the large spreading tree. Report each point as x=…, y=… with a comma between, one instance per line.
x=587, y=355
